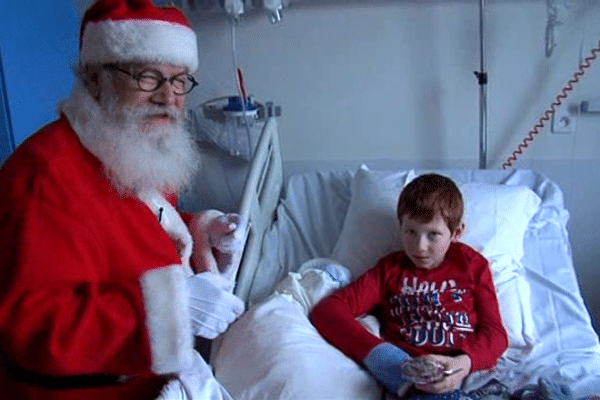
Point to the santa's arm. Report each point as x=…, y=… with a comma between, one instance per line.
x=62, y=313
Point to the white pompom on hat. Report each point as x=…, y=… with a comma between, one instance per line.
x=114, y=31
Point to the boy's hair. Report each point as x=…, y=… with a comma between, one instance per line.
x=428, y=194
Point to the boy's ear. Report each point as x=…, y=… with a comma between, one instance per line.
x=460, y=229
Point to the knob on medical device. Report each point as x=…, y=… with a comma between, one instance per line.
x=234, y=8
x=273, y=8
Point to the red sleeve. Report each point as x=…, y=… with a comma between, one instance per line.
x=490, y=339
x=334, y=317
x=56, y=314
x=186, y=217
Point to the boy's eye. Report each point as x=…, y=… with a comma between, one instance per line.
x=434, y=235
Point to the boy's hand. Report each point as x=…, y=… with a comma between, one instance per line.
x=461, y=364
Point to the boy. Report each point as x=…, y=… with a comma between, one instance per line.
x=435, y=299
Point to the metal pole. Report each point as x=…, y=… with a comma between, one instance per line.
x=482, y=78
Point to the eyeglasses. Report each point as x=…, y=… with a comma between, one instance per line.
x=150, y=80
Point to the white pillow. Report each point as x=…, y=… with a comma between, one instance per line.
x=514, y=299
x=274, y=352
x=370, y=228
x=496, y=218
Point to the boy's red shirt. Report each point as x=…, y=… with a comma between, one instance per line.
x=449, y=310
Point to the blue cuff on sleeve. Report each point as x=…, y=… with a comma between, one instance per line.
x=338, y=273
x=384, y=362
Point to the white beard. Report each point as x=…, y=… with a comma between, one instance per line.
x=136, y=156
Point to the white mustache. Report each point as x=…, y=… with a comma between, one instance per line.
x=143, y=112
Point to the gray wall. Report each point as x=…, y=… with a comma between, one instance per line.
x=392, y=83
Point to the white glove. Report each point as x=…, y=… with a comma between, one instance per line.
x=197, y=383
x=223, y=232
x=212, y=305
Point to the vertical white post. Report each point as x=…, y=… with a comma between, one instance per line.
x=482, y=80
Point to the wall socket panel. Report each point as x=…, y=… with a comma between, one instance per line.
x=564, y=120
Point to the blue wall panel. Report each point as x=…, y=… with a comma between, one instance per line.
x=7, y=141
x=39, y=44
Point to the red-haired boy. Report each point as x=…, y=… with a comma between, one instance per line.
x=435, y=299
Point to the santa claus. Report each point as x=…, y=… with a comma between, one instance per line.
x=104, y=284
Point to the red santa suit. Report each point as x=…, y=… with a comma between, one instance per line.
x=91, y=285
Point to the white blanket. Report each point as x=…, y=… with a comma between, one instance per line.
x=198, y=383
x=273, y=351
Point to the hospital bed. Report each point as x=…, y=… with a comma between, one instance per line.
x=514, y=217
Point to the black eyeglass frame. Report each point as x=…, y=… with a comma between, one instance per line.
x=160, y=78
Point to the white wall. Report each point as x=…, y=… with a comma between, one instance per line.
x=393, y=83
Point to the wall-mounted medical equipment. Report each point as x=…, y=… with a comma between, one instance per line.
x=273, y=8
x=231, y=125
x=234, y=8
x=482, y=80
x=549, y=113
x=228, y=135
x=590, y=106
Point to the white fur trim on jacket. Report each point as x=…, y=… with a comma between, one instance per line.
x=172, y=223
x=139, y=41
x=167, y=319
x=165, y=294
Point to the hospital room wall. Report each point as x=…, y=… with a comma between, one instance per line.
x=390, y=84
x=393, y=85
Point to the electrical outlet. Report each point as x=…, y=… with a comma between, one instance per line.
x=564, y=120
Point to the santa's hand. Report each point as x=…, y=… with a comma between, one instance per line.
x=228, y=242
x=213, y=229
x=224, y=234
x=212, y=305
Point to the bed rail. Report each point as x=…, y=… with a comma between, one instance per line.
x=259, y=201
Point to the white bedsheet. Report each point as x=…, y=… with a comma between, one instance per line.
x=273, y=351
x=309, y=221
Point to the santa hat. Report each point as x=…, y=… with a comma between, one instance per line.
x=115, y=31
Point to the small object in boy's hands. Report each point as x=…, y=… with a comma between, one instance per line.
x=423, y=371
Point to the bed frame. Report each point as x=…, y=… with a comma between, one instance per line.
x=257, y=208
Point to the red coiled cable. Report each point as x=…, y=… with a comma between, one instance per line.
x=550, y=110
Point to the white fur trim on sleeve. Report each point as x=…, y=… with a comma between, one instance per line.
x=167, y=319
x=139, y=40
